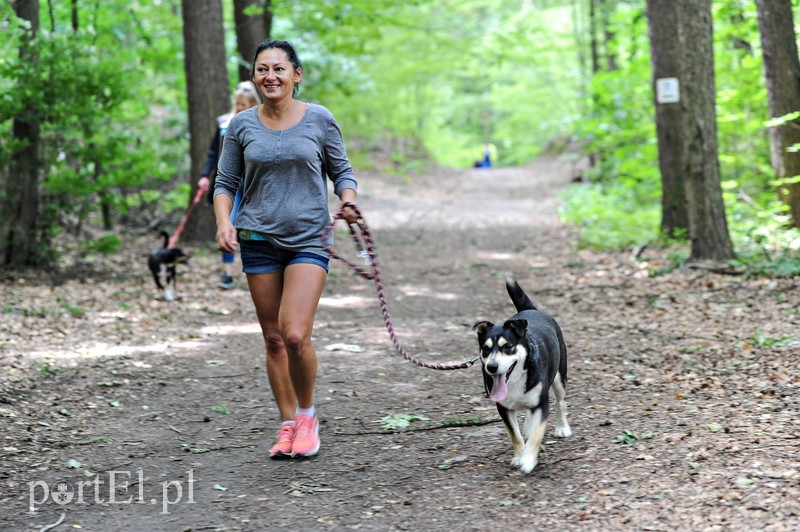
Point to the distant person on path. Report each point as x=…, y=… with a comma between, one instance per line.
x=245, y=96
x=280, y=154
x=488, y=154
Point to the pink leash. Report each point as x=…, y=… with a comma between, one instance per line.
x=200, y=192
x=367, y=251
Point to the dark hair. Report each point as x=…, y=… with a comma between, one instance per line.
x=287, y=47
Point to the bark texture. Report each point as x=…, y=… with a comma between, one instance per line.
x=208, y=95
x=251, y=29
x=708, y=228
x=665, y=57
x=20, y=202
x=782, y=74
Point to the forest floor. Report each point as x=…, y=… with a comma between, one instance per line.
x=121, y=412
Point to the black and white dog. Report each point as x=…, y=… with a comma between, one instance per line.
x=162, y=261
x=522, y=360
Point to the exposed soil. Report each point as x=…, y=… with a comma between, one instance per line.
x=684, y=388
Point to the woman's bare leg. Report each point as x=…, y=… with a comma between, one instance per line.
x=266, y=290
x=302, y=288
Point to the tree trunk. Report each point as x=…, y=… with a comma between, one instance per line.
x=208, y=94
x=708, y=227
x=607, y=8
x=20, y=206
x=782, y=73
x=665, y=58
x=593, y=36
x=252, y=27
x=580, y=31
x=75, y=19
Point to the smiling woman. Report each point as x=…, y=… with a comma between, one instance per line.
x=280, y=154
x=277, y=72
x=277, y=67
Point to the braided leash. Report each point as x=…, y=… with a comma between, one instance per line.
x=366, y=247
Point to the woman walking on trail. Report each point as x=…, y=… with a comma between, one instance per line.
x=244, y=97
x=280, y=154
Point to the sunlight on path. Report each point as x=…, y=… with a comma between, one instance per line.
x=503, y=197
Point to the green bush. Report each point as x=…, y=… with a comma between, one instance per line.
x=610, y=217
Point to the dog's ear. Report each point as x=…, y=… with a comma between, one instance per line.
x=518, y=326
x=481, y=326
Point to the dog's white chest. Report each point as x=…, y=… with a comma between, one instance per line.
x=518, y=398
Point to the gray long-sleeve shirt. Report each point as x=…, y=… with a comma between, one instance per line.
x=283, y=173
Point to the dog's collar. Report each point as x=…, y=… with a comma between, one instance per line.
x=508, y=373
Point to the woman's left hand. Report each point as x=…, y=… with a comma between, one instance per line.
x=349, y=213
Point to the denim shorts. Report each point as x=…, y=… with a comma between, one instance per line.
x=260, y=256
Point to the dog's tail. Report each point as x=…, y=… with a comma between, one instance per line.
x=165, y=236
x=518, y=296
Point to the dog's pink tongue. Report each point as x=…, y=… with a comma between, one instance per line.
x=499, y=388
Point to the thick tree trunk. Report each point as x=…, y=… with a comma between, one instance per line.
x=20, y=206
x=782, y=73
x=665, y=58
x=208, y=94
x=708, y=227
x=253, y=20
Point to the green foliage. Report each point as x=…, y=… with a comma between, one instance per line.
x=396, y=421
x=44, y=369
x=411, y=83
x=419, y=80
x=763, y=341
x=766, y=246
x=107, y=244
x=611, y=217
x=620, y=207
x=628, y=436
x=625, y=209
x=106, y=127
x=76, y=312
x=677, y=259
x=785, y=264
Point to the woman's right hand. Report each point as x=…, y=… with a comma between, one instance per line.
x=227, y=239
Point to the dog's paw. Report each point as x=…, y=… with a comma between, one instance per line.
x=527, y=463
x=563, y=432
x=515, y=461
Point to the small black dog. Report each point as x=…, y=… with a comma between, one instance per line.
x=522, y=360
x=162, y=261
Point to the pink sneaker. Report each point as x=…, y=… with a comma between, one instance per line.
x=283, y=447
x=306, y=436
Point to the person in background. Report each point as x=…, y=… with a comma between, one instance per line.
x=488, y=154
x=245, y=96
x=280, y=154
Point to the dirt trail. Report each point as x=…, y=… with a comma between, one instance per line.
x=683, y=391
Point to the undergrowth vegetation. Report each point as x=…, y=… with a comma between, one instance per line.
x=618, y=204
